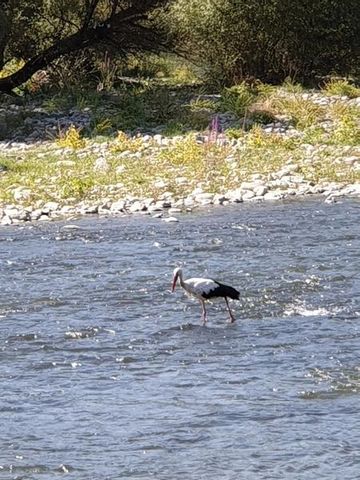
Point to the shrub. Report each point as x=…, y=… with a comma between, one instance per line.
x=292, y=87
x=184, y=152
x=237, y=99
x=234, y=133
x=262, y=116
x=124, y=143
x=71, y=138
x=302, y=112
x=77, y=187
x=243, y=39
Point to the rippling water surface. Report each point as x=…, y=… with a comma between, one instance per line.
x=105, y=374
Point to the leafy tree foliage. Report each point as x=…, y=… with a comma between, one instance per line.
x=40, y=31
x=269, y=39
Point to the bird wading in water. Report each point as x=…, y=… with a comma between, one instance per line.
x=205, y=289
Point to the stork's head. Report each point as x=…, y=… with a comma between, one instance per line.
x=177, y=273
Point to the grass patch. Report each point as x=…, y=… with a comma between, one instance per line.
x=346, y=129
x=198, y=162
x=167, y=67
x=290, y=86
x=302, y=112
x=315, y=135
x=28, y=173
x=342, y=88
x=261, y=116
x=324, y=169
x=262, y=161
x=174, y=128
x=258, y=138
x=70, y=99
x=50, y=178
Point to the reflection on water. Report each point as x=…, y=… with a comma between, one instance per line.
x=106, y=374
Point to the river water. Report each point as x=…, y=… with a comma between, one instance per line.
x=107, y=375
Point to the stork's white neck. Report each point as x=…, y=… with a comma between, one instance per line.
x=181, y=279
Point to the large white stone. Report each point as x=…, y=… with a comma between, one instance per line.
x=22, y=194
x=6, y=220
x=260, y=190
x=274, y=195
x=204, y=198
x=118, y=206
x=50, y=207
x=101, y=165
x=248, y=195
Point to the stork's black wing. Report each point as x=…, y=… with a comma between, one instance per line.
x=222, y=291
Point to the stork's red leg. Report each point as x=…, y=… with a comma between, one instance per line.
x=203, y=316
x=232, y=318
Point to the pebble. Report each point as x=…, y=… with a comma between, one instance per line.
x=50, y=207
x=170, y=220
x=71, y=226
x=137, y=207
x=181, y=181
x=173, y=210
x=160, y=184
x=87, y=209
x=64, y=163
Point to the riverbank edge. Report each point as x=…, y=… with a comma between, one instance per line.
x=160, y=175
x=169, y=207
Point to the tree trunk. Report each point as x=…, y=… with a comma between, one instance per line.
x=75, y=42
x=3, y=36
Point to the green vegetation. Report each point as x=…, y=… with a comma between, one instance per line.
x=325, y=169
x=233, y=105
x=347, y=130
x=258, y=139
x=71, y=138
x=124, y=143
x=341, y=87
x=95, y=43
x=67, y=170
x=270, y=41
x=237, y=99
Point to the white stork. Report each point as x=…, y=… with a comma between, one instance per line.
x=204, y=289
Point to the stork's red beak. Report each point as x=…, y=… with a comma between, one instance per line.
x=174, y=282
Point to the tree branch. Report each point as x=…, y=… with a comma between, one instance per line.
x=115, y=4
x=89, y=13
x=76, y=41
x=122, y=25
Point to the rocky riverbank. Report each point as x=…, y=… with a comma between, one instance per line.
x=150, y=173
